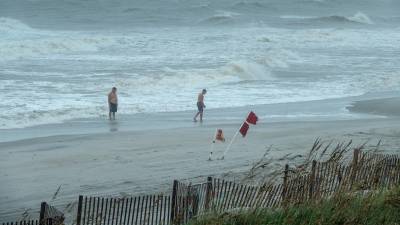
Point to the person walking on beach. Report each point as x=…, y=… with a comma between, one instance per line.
x=200, y=105
x=112, y=102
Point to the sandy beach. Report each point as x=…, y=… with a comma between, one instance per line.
x=144, y=153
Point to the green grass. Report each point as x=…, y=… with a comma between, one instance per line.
x=378, y=208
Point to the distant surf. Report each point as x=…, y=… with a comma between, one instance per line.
x=359, y=18
x=220, y=17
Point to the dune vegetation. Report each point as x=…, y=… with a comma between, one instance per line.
x=374, y=208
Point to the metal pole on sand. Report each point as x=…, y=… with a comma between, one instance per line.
x=230, y=144
x=233, y=139
x=212, y=146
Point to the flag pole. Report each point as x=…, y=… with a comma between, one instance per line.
x=230, y=144
x=234, y=137
x=212, y=145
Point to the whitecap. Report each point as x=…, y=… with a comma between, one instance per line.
x=360, y=17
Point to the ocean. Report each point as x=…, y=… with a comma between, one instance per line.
x=60, y=58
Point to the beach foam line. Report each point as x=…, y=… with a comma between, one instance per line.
x=383, y=106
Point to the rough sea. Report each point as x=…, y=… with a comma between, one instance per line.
x=60, y=58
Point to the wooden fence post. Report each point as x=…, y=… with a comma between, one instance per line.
x=208, y=193
x=79, y=213
x=312, y=180
x=285, y=184
x=174, y=201
x=356, y=153
x=42, y=213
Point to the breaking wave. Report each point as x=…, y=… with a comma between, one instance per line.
x=11, y=26
x=220, y=17
x=359, y=18
x=356, y=18
x=19, y=40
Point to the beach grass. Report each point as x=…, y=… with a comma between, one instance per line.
x=374, y=208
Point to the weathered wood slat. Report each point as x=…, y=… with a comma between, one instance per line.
x=105, y=214
x=264, y=193
x=220, y=194
x=242, y=197
x=236, y=203
x=233, y=196
x=250, y=197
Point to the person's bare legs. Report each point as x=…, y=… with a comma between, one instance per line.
x=201, y=116
x=195, y=117
x=109, y=115
x=113, y=115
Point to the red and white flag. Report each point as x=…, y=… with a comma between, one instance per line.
x=252, y=118
x=244, y=128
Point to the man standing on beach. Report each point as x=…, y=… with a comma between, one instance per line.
x=200, y=105
x=112, y=102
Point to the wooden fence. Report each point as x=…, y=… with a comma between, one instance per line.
x=218, y=195
x=366, y=171
x=143, y=210
x=48, y=215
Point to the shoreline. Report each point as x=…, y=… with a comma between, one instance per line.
x=319, y=110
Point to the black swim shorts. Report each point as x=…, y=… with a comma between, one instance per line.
x=200, y=106
x=113, y=107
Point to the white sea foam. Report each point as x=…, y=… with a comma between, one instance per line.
x=360, y=17
x=247, y=70
x=221, y=16
x=18, y=40
x=9, y=25
x=260, y=68
x=281, y=58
